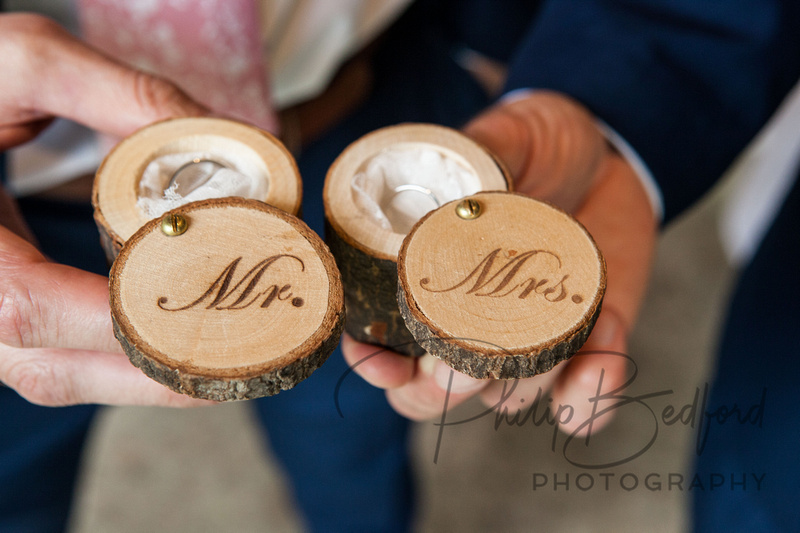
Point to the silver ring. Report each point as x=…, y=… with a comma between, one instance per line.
x=194, y=174
x=410, y=187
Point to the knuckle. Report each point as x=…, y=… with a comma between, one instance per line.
x=37, y=380
x=148, y=89
x=17, y=306
x=157, y=96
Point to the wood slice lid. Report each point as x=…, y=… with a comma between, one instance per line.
x=116, y=186
x=500, y=285
x=357, y=226
x=245, y=303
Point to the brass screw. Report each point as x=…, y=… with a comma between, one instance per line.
x=468, y=209
x=173, y=225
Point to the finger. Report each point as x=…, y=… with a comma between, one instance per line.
x=507, y=134
x=378, y=366
x=72, y=80
x=45, y=304
x=514, y=395
x=589, y=378
x=114, y=99
x=620, y=218
x=434, y=389
x=56, y=377
x=549, y=142
x=569, y=388
x=67, y=309
x=71, y=309
x=586, y=389
x=417, y=388
x=15, y=135
x=11, y=221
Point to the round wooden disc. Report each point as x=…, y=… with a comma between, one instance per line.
x=508, y=294
x=245, y=303
x=117, y=180
x=361, y=230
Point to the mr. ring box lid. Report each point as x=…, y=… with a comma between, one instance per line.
x=500, y=285
x=226, y=299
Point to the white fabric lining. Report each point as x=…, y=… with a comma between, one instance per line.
x=375, y=187
x=238, y=178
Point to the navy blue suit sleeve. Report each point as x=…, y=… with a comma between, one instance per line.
x=686, y=82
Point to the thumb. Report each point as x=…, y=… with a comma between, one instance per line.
x=45, y=304
x=549, y=143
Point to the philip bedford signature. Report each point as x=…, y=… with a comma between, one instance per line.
x=541, y=412
x=695, y=414
x=227, y=294
x=500, y=275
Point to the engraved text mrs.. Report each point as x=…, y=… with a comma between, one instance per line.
x=499, y=275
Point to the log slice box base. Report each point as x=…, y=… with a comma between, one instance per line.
x=366, y=252
x=245, y=303
x=116, y=187
x=507, y=294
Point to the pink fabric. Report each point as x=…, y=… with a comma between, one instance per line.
x=211, y=48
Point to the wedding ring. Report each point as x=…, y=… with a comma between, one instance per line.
x=193, y=174
x=410, y=187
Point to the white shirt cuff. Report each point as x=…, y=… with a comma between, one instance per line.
x=639, y=167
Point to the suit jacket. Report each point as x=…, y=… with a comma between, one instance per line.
x=687, y=83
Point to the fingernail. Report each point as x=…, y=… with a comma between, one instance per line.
x=427, y=363
x=448, y=379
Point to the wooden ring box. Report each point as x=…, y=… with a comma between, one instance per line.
x=507, y=293
x=367, y=252
x=246, y=302
x=116, y=184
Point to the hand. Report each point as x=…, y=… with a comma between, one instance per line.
x=555, y=152
x=49, y=73
x=56, y=340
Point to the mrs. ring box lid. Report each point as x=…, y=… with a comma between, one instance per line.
x=242, y=301
x=499, y=285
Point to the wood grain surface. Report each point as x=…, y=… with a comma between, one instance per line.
x=247, y=302
x=366, y=252
x=508, y=294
